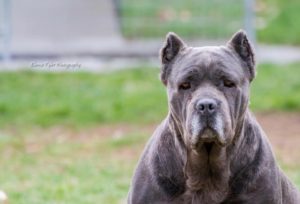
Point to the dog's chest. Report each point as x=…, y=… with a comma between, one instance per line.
x=207, y=195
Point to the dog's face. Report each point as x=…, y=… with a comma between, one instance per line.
x=207, y=88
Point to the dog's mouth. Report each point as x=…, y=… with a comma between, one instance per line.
x=207, y=137
x=208, y=146
x=207, y=141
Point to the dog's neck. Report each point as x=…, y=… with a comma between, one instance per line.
x=208, y=174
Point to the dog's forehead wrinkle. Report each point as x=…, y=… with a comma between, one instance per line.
x=215, y=70
x=204, y=57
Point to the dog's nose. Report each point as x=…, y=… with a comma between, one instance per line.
x=206, y=106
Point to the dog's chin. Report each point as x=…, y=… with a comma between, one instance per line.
x=206, y=140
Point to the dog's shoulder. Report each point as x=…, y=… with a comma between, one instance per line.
x=167, y=162
x=255, y=173
x=161, y=167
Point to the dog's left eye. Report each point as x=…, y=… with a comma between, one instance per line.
x=229, y=84
x=185, y=86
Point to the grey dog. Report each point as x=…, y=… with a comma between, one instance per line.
x=209, y=149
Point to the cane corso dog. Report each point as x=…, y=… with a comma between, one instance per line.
x=209, y=149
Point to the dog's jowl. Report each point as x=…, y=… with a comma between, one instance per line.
x=209, y=149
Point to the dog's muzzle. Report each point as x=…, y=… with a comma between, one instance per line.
x=207, y=124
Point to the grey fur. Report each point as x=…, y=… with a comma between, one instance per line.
x=214, y=152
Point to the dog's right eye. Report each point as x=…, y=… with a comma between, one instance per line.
x=185, y=86
x=228, y=83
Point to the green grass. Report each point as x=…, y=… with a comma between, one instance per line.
x=131, y=96
x=37, y=168
x=277, y=87
x=190, y=18
x=281, y=21
x=61, y=168
x=80, y=99
x=66, y=164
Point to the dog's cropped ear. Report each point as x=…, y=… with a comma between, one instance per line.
x=168, y=52
x=242, y=46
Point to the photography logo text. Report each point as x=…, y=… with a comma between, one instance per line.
x=56, y=65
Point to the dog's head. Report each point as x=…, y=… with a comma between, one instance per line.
x=208, y=88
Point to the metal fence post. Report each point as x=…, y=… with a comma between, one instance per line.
x=117, y=6
x=6, y=30
x=249, y=19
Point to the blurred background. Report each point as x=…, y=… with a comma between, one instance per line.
x=80, y=94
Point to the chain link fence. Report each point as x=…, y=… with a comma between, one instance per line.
x=140, y=19
x=204, y=19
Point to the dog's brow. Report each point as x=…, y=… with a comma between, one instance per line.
x=223, y=70
x=189, y=73
x=228, y=66
x=220, y=73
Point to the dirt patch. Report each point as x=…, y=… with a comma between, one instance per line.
x=283, y=130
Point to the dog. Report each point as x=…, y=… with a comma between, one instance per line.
x=209, y=149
